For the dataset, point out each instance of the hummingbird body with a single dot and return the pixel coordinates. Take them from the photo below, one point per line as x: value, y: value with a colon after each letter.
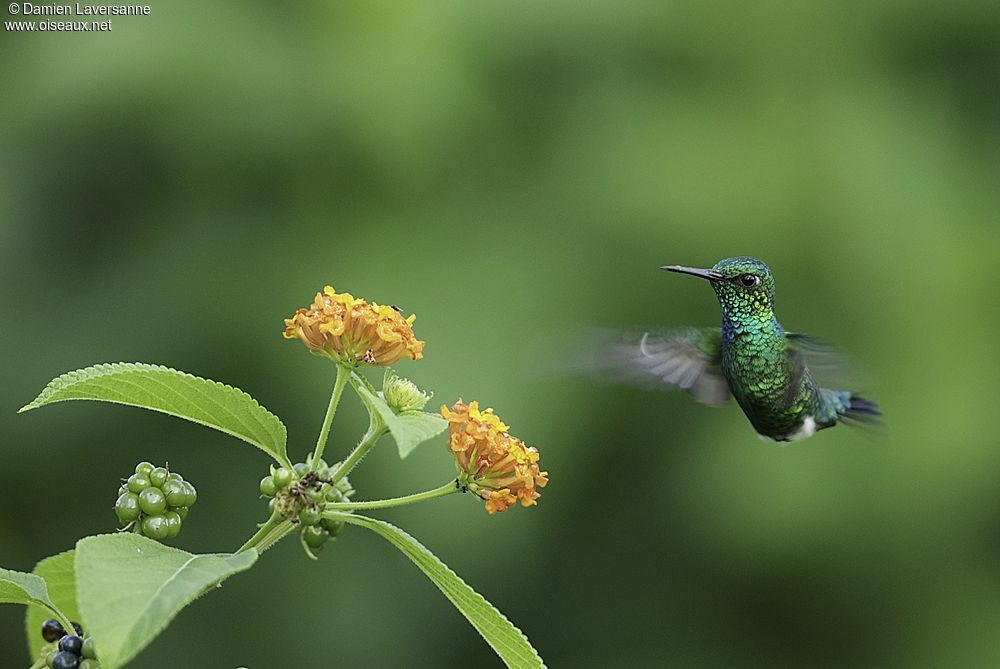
x: 751, y: 357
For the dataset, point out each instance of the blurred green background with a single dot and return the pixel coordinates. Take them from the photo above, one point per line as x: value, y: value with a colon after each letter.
x: 514, y: 172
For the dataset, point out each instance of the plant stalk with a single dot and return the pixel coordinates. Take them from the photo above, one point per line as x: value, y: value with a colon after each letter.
x: 375, y: 432
x: 343, y: 374
x: 447, y: 489
x: 270, y: 533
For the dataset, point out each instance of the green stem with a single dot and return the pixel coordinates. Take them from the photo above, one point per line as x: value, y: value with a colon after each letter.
x: 447, y: 489
x: 270, y: 533
x: 375, y: 432
x: 343, y: 373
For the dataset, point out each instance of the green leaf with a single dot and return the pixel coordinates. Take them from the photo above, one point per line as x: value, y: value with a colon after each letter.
x: 508, y: 641
x: 17, y: 587
x: 166, y: 390
x: 60, y: 576
x: 131, y: 587
x: 409, y: 429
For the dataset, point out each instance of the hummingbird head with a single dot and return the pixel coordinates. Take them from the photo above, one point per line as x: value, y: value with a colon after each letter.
x: 744, y: 286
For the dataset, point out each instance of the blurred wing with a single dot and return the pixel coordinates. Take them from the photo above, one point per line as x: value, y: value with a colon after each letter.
x: 690, y: 359
x: 815, y: 353
x: 827, y: 366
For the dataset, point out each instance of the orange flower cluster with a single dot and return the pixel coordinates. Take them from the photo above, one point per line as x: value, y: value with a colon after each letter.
x: 491, y: 463
x: 352, y: 331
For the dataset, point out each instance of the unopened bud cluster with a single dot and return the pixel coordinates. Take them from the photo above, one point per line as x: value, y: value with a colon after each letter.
x: 403, y: 395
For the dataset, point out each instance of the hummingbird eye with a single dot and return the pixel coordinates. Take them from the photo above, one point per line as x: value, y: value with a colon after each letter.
x: 749, y: 280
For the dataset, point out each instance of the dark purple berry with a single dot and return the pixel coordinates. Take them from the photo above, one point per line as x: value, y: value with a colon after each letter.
x: 78, y: 629
x: 52, y: 630
x: 71, y: 644
x: 65, y: 660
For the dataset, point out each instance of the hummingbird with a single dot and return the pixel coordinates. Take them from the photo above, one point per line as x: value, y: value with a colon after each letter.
x: 750, y: 357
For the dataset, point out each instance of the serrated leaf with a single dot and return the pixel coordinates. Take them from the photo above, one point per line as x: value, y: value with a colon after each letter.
x: 169, y: 391
x: 130, y: 587
x: 60, y: 577
x: 508, y: 641
x: 409, y: 429
x: 18, y: 587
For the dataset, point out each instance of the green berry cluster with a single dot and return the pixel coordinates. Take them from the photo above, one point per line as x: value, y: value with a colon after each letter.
x: 300, y: 493
x: 67, y: 650
x: 154, y: 501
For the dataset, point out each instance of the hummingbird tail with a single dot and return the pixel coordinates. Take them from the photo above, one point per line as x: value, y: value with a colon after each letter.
x: 854, y: 407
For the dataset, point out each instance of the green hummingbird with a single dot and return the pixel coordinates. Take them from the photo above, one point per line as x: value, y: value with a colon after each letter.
x: 750, y: 357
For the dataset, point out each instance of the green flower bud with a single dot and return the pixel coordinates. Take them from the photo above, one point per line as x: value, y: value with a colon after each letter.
x: 402, y: 394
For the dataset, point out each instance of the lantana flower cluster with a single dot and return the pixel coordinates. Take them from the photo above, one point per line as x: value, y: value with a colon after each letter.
x: 492, y: 463
x: 351, y: 331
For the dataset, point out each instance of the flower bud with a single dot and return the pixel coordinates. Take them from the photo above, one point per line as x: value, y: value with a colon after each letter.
x: 403, y: 395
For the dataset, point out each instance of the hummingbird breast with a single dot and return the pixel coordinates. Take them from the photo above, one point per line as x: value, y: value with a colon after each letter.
x: 761, y: 375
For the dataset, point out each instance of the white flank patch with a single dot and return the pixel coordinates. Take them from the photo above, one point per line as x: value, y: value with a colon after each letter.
x: 806, y: 430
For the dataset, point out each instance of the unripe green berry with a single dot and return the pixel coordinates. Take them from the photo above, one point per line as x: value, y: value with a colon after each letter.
x: 173, y: 523
x: 88, y: 648
x: 182, y: 511
x: 158, y: 476
x: 144, y: 468
x: 301, y: 468
x: 309, y: 515
x: 174, y: 476
x: 137, y: 482
x: 334, y: 527
x: 122, y: 489
x: 268, y: 487
x: 192, y: 494
x: 314, y: 536
x: 175, y: 492
x: 152, y: 501
x: 155, y: 527
x: 46, y: 649
x: 282, y: 477
x: 89, y: 664
x: 127, y: 507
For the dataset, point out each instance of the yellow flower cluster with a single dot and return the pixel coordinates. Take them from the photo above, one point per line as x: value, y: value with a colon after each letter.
x: 350, y: 330
x: 491, y: 463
